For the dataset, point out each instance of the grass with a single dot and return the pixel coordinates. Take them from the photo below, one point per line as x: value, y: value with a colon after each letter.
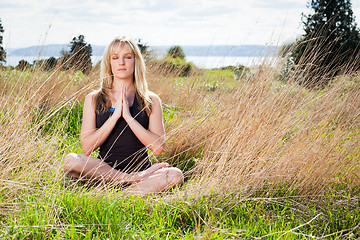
x: 263, y: 159
x: 73, y: 213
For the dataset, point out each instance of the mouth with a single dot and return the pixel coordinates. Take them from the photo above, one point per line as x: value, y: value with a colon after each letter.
x: 122, y: 69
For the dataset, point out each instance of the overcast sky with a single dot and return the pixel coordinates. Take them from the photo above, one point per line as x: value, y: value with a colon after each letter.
x: 156, y: 22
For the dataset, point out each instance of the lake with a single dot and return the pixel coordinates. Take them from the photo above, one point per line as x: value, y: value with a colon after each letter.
x: 206, y: 62
x: 209, y: 62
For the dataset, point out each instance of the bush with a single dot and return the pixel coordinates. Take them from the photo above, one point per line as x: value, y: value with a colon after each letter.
x: 175, y: 66
x: 48, y: 64
x: 176, y: 52
x: 22, y: 65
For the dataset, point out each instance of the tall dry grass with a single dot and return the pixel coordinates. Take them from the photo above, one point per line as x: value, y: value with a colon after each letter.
x: 262, y: 134
x: 266, y: 134
x: 30, y: 158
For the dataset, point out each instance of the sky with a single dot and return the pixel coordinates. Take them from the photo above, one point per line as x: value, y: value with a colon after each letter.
x: 155, y: 22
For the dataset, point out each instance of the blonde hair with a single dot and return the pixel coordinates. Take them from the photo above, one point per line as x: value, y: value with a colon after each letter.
x: 102, y: 98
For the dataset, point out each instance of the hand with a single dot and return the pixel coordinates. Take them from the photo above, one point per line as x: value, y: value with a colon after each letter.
x: 118, y: 108
x: 125, y: 105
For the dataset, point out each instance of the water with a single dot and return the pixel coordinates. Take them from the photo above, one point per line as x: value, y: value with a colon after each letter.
x: 209, y: 62
x: 206, y: 62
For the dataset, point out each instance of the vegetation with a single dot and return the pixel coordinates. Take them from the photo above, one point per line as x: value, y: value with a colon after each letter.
x: 262, y: 159
x: 79, y: 57
x: 144, y: 48
x: 174, y: 63
x: 2, y: 50
x: 48, y: 64
x: 176, y: 52
x: 330, y: 42
x: 23, y: 65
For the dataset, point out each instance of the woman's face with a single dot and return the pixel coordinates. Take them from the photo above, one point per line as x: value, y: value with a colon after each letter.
x: 122, y: 62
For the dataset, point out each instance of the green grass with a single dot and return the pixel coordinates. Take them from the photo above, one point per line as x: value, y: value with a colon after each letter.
x: 69, y: 210
x: 84, y: 213
x: 64, y: 209
x: 217, y: 78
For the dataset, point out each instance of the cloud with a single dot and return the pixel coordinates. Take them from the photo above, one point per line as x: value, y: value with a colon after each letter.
x: 279, y: 4
x: 8, y: 5
x: 158, y: 22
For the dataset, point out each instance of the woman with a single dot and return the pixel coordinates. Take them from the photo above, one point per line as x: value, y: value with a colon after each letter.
x: 123, y: 118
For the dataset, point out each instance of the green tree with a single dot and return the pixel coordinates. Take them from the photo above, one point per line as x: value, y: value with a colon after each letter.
x: 2, y: 51
x: 330, y: 45
x: 80, y: 54
x: 175, y: 52
x: 142, y: 46
x: 23, y: 65
x: 64, y: 60
x: 48, y: 64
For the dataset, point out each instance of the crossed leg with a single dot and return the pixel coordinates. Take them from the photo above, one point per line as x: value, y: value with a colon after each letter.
x: 162, y: 179
x: 157, y: 178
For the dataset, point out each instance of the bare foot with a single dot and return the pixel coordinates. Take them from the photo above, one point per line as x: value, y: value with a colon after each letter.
x: 137, y: 176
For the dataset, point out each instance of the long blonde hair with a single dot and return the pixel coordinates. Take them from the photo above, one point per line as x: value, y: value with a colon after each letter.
x: 102, y: 98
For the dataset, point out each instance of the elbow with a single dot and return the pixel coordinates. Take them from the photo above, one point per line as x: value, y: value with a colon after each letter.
x: 160, y: 147
x: 86, y: 149
x: 159, y: 151
x: 156, y: 149
x: 87, y: 152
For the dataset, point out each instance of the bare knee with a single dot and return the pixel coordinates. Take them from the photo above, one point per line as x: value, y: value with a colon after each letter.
x: 72, y: 162
x: 174, y: 176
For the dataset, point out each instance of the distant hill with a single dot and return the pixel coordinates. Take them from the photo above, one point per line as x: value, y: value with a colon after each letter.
x: 51, y: 50
x: 206, y: 50
x: 223, y: 50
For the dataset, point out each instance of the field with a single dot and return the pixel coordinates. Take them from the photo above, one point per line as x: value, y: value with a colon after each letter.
x: 263, y: 159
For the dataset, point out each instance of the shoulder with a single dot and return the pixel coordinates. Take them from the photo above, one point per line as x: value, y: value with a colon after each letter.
x: 90, y: 99
x: 155, y: 99
x: 91, y: 96
x: 156, y: 105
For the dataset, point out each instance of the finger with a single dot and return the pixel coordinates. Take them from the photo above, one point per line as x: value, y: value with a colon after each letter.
x: 125, y: 102
x: 123, y: 90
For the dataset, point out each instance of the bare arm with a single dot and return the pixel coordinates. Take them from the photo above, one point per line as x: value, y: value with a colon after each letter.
x: 154, y: 137
x: 90, y: 137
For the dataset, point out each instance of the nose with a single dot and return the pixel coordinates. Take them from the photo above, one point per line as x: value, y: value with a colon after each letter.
x: 122, y: 61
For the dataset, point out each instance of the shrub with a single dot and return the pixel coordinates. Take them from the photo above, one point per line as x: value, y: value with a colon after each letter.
x: 176, y: 52
x: 22, y: 65
x: 175, y: 66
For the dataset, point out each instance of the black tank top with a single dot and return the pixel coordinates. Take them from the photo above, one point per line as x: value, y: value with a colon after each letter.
x: 122, y: 149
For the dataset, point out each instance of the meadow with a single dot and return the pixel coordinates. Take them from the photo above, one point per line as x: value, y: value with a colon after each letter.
x: 263, y: 158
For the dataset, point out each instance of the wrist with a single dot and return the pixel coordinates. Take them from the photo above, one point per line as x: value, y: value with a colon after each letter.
x: 115, y: 115
x: 128, y: 118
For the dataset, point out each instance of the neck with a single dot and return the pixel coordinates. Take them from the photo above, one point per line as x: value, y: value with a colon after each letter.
x: 117, y: 85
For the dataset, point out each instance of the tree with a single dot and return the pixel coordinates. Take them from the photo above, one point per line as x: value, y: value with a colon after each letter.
x: 23, y: 65
x: 142, y: 46
x: 175, y: 52
x: 64, y: 60
x: 80, y: 54
x: 330, y: 45
x: 2, y: 51
x: 46, y: 64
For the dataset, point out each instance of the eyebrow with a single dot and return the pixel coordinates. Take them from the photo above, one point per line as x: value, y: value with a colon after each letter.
x: 115, y: 53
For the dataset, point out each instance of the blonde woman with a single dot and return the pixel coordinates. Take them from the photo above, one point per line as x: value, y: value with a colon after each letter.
x: 123, y: 119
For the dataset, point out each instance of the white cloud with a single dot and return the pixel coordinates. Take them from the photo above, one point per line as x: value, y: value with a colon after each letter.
x: 158, y: 22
